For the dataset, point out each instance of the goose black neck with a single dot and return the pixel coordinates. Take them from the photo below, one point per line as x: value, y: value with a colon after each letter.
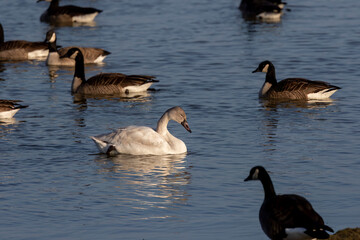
x: 79, y: 66
x: 1, y: 35
x: 54, y: 4
x: 52, y: 46
x: 267, y: 185
x: 270, y: 75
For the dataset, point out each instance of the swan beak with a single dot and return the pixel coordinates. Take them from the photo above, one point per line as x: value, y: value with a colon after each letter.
x: 256, y: 70
x: 186, y: 125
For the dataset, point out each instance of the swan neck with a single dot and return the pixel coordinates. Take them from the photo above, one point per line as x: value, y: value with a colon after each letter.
x: 162, y: 124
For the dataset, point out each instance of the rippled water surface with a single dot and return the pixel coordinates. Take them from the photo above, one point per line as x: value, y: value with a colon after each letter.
x: 55, y: 185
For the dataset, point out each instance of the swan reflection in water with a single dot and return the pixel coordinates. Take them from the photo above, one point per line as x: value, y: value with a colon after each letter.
x: 148, y: 181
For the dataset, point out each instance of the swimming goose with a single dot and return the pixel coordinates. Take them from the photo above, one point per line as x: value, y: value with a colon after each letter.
x: 287, y: 216
x: 105, y: 83
x: 139, y: 140
x: 21, y: 50
x: 91, y: 55
x: 68, y: 13
x: 262, y: 9
x: 292, y: 88
x: 8, y: 108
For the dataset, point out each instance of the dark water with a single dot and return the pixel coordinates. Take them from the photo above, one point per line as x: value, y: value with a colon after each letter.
x: 55, y: 185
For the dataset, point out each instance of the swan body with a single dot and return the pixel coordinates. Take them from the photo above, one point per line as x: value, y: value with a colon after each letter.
x: 141, y: 140
x: 68, y: 13
x: 292, y: 88
x: 105, y: 83
x: 22, y: 50
x: 288, y: 216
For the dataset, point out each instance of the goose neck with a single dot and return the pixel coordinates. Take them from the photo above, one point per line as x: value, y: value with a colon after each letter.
x: 271, y: 76
x: 54, y: 4
x: 79, y: 75
x: 1, y: 35
x: 268, y: 186
x: 52, y: 46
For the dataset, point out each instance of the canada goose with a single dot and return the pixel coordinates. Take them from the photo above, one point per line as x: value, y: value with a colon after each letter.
x: 140, y: 140
x: 21, y: 50
x: 287, y: 216
x: 91, y: 55
x: 262, y: 9
x: 68, y: 13
x: 292, y: 88
x: 8, y: 108
x: 105, y: 83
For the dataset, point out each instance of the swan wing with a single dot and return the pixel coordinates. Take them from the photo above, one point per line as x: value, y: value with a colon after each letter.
x: 135, y: 140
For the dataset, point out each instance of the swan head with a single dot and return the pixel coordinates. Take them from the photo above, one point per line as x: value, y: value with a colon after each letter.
x: 263, y: 67
x: 256, y: 173
x: 178, y: 115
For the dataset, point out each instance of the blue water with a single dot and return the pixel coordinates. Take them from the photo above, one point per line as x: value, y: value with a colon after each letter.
x: 55, y: 185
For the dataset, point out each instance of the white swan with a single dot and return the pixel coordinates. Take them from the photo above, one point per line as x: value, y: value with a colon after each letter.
x: 140, y: 140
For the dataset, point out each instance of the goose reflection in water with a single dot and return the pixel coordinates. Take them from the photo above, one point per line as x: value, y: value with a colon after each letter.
x: 309, y: 104
x: 287, y: 112
x: 151, y: 181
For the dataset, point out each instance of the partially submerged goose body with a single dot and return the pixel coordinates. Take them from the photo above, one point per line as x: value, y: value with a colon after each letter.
x: 268, y: 10
x: 17, y: 50
x: 8, y: 108
x: 292, y: 88
x: 91, y: 55
x: 68, y: 13
x: 105, y: 83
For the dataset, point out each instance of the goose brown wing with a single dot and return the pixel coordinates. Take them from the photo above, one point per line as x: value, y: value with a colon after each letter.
x: 6, y: 105
x: 119, y: 79
x: 28, y: 46
x: 303, y: 85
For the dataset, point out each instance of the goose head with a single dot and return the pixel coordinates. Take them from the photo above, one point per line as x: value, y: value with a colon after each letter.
x: 263, y: 67
x: 178, y: 115
x: 73, y: 53
x: 50, y: 36
x: 256, y: 173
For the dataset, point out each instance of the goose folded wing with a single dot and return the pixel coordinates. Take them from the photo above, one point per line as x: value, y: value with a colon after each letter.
x: 118, y: 79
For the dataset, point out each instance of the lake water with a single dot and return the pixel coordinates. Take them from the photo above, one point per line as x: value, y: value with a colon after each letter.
x: 55, y: 185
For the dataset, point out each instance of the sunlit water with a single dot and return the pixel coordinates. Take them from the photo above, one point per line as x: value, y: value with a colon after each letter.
x: 55, y: 185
